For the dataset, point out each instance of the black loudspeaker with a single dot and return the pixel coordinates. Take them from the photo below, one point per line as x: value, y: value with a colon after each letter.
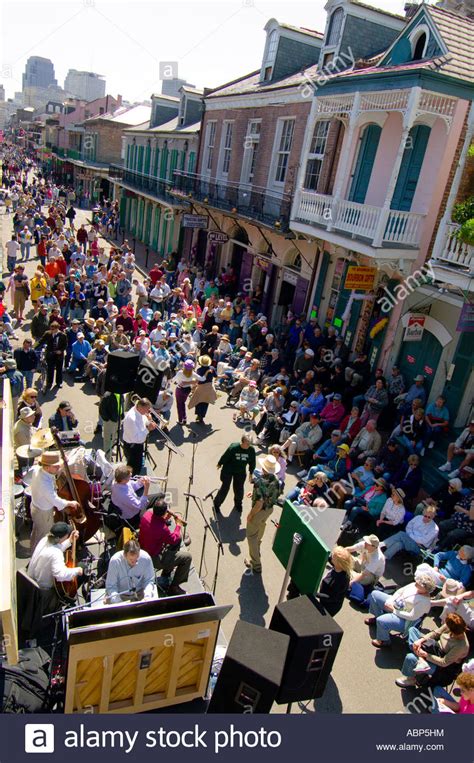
x: 121, y: 371
x: 314, y: 642
x: 148, y: 379
x: 251, y: 672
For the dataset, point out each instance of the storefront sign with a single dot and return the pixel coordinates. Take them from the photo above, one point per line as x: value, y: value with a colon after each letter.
x: 410, y: 359
x: 466, y: 319
x: 218, y: 237
x: 195, y: 221
x: 264, y: 265
x: 361, y: 278
x: 290, y: 277
x: 415, y: 328
x: 428, y: 370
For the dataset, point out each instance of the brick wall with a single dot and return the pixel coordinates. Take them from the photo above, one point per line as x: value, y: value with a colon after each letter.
x: 269, y: 116
x: 447, y: 190
x: 331, y: 157
x: 109, y: 142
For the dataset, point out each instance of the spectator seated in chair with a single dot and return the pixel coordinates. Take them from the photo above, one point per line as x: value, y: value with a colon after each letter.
x: 420, y: 534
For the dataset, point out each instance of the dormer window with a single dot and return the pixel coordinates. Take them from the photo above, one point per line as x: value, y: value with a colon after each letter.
x: 335, y: 26
x: 272, y: 46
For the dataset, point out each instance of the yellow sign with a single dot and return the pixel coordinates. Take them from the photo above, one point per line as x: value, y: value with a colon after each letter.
x: 360, y: 278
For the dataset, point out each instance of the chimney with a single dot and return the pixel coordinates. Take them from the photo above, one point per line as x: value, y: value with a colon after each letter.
x: 119, y: 100
x: 410, y: 9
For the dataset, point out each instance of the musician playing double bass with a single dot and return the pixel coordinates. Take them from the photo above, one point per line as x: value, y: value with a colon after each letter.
x: 161, y: 536
x: 48, y: 565
x: 44, y: 496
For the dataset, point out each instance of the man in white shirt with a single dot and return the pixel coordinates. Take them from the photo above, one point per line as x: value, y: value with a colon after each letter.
x: 130, y: 575
x: 420, y: 533
x: 370, y: 565
x: 13, y: 247
x: 44, y: 497
x: 47, y: 565
x: 136, y: 425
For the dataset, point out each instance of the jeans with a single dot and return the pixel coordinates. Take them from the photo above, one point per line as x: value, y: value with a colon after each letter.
x: 28, y: 377
x: 411, y: 660
x: 440, y: 693
x: 407, y: 443
x: 401, y: 541
x: 386, y: 621
x: 293, y: 494
x: 25, y: 251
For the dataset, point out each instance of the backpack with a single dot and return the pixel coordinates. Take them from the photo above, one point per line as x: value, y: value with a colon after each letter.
x: 24, y: 687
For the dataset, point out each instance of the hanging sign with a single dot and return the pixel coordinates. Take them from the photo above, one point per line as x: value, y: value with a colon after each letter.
x: 410, y: 359
x: 415, y: 328
x: 218, y: 237
x: 428, y: 370
x: 195, y: 221
x: 361, y: 278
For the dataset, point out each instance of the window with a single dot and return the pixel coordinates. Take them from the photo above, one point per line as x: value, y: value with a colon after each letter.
x: 210, y: 142
x: 272, y: 47
x: 328, y: 57
x: 226, y: 147
x: 419, y: 47
x: 251, y: 143
x: 284, y: 147
x: 316, y: 156
x: 335, y: 26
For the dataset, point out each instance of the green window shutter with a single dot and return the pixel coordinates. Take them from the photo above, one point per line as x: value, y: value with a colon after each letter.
x: 365, y: 163
x: 140, y: 159
x: 321, y: 281
x: 164, y: 163
x: 127, y: 161
x: 156, y: 228
x: 183, y: 161
x: 147, y: 160
x: 156, y: 162
x: 410, y: 168
x: 173, y: 164
x: 192, y: 161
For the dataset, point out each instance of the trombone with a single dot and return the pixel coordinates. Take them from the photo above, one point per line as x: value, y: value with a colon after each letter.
x: 158, y: 420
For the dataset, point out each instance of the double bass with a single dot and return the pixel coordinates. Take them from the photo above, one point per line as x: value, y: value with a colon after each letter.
x: 73, y: 487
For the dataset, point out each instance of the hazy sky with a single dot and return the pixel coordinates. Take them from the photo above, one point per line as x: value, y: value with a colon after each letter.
x: 212, y: 42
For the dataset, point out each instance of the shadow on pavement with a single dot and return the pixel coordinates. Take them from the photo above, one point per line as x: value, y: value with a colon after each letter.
x: 253, y: 598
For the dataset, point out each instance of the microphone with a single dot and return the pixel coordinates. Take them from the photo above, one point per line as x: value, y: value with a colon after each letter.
x: 209, y: 495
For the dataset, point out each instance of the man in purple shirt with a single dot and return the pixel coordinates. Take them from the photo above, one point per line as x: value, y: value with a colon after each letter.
x: 332, y: 414
x: 125, y: 496
x: 161, y: 537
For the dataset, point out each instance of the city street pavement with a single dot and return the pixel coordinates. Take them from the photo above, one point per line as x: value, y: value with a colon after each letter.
x: 362, y: 680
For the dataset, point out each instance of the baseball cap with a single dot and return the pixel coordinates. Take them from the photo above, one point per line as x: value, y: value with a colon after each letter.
x: 60, y: 529
x: 372, y: 540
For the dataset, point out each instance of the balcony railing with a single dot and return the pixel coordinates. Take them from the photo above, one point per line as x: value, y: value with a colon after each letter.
x: 456, y: 253
x: 401, y: 229
x: 268, y: 207
x: 141, y: 182
x: 67, y: 153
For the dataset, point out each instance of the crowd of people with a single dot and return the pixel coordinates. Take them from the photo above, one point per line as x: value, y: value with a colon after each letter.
x: 360, y: 436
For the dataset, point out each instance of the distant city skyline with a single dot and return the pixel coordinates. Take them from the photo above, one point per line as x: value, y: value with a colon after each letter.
x: 212, y: 42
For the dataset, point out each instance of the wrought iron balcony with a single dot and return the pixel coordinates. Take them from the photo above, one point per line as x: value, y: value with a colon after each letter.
x: 154, y: 186
x: 453, y: 260
x: 269, y: 208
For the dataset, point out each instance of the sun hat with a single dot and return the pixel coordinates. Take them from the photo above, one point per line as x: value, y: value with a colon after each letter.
x: 419, y: 377
x: 372, y: 540
x: 51, y: 458
x: 26, y: 411
x: 455, y: 483
x: 269, y: 464
x: 381, y: 482
x: 400, y: 492
x: 205, y: 360
x: 10, y: 364
x: 344, y: 447
x: 252, y: 383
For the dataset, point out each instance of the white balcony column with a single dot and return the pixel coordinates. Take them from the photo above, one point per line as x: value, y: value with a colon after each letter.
x: 343, y: 166
x: 310, y: 124
x: 443, y: 231
x: 408, y: 120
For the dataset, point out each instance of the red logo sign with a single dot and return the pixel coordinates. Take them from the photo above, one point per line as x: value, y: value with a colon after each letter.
x: 410, y: 358
x: 428, y: 370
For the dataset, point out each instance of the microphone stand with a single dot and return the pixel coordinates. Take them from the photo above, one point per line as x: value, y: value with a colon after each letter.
x: 190, y: 480
x: 208, y: 528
